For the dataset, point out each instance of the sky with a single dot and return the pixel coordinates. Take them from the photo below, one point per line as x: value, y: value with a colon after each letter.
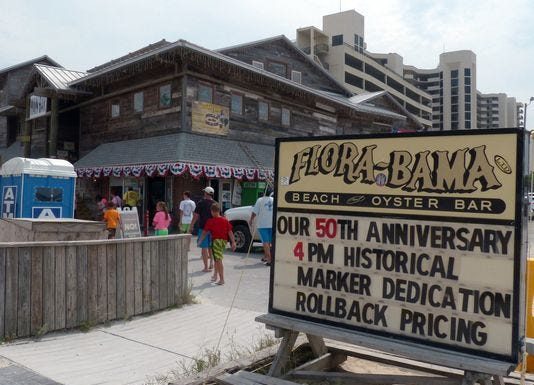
x: 82, y: 34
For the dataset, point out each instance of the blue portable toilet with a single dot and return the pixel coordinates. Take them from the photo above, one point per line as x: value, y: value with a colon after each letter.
x: 37, y: 188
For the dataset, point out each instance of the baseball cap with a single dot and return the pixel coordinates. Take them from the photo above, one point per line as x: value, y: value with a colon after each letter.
x: 209, y: 190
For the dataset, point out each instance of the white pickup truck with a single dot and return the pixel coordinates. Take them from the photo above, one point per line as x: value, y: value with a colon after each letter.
x: 239, y: 217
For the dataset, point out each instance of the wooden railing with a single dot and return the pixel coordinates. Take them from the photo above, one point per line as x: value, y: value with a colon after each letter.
x: 47, y: 286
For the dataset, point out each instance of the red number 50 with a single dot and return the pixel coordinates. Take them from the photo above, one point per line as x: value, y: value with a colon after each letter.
x: 326, y: 227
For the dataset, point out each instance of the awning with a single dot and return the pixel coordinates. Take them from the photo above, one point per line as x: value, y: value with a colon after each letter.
x: 176, y: 154
x: 6, y: 110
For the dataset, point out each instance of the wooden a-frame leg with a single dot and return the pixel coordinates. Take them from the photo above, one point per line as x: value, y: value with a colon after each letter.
x: 317, y: 345
x: 282, y: 356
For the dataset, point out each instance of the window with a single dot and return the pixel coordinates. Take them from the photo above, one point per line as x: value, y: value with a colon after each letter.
x: 277, y: 68
x: 353, y: 62
x: 205, y: 93
x: 296, y: 76
x: 115, y: 110
x: 454, y: 108
x: 165, y: 96
x: 454, y: 74
x: 454, y: 82
x: 138, y: 102
x: 467, y: 81
x: 337, y: 40
x: 257, y: 64
x: 467, y: 89
x: 467, y: 115
x: 353, y: 80
x: 454, y: 125
x: 286, y: 117
x: 454, y: 99
x: 467, y: 98
x: 263, y: 110
x: 454, y: 91
x: 237, y: 104
x: 467, y: 71
x: 48, y: 194
x: 454, y: 117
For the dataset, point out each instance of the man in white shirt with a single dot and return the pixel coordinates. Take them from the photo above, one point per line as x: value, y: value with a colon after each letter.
x: 187, y: 207
x: 263, y: 209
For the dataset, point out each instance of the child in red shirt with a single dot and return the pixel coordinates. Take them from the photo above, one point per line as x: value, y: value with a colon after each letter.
x: 220, y: 230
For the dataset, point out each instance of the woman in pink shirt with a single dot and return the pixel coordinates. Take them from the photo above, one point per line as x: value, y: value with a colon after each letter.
x: 162, y: 219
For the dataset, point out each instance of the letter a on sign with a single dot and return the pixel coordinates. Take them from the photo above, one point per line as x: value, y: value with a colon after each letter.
x: 46, y: 214
x: 8, y: 201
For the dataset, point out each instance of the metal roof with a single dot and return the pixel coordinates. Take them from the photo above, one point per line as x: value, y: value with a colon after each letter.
x: 185, y: 45
x: 58, y: 78
x: 179, y: 147
x: 367, y: 96
x: 28, y: 62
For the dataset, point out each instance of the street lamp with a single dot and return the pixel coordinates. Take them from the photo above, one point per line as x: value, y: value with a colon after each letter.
x: 525, y: 118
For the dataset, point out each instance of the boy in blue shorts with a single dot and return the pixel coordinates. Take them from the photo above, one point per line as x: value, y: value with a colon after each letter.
x: 263, y: 209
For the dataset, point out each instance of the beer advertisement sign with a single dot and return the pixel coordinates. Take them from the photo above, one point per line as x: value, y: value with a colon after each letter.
x: 416, y: 237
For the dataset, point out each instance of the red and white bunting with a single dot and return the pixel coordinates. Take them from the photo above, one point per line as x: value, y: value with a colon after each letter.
x: 150, y: 169
x: 225, y: 172
x: 137, y: 171
x: 196, y: 170
x: 162, y: 169
x: 178, y: 168
x: 210, y: 171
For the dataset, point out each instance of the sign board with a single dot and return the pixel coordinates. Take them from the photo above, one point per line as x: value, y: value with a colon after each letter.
x: 210, y: 118
x: 129, y: 223
x: 38, y: 105
x: 46, y: 212
x: 416, y: 237
x: 9, y: 201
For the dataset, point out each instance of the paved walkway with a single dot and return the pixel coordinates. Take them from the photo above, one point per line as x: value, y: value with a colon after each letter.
x: 136, y: 351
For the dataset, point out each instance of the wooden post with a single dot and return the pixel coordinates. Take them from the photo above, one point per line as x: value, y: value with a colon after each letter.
x: 183, y: 111
x: 282, y: 356
x: 52, y: 139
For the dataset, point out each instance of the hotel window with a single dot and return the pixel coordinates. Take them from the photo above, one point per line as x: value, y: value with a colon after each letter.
x: 467, y: 115
x: 454, y: 74
x: 138, y: 102
x: 165, y: 96
x: 454, y: 99
x: 337, y: 40
x: 454, y: 82
x: 467, y: 71
x: 467, y: 81
x: 263, y: 110
x: 286, y: 117
x: 468, y: 124
x: 205, y: 93
x: 467, y: 89
x: 296, y: 76
x: 454, y: 125
x: 115, y: 110
x: 237, y: 104
x: 257, y: 64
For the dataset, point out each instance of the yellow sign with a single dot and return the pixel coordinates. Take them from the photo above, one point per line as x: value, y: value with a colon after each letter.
x: 412, y: 237
x: 210, y: 118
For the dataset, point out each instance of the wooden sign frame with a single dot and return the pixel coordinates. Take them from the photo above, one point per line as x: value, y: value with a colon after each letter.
x: 403, y: 344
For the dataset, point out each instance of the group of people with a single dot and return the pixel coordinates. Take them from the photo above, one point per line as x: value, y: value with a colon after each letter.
x: 214, y: 230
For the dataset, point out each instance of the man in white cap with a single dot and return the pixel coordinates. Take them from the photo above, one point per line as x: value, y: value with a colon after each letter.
x: 202, y: 214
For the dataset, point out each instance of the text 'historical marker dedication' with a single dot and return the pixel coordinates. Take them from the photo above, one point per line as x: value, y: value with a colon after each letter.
x: 410, y: 237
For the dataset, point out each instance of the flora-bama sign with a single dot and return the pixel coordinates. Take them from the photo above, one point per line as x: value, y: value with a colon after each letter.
x: 416, y: 237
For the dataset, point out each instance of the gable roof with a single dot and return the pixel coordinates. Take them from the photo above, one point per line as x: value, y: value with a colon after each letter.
x: 184, y: 48
x: 130, y: 55
x: 58, y: 78
x: 294, y: 48
x: 29, y: 62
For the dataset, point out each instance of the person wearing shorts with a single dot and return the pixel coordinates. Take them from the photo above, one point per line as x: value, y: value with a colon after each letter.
x: 221, y: 231
x: 112, y: 219
x: 263, y: 210
x: 187, y: 207
x: 202, y: 214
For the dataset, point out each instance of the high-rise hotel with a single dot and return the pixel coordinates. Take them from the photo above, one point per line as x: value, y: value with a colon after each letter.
x: 442, y: 98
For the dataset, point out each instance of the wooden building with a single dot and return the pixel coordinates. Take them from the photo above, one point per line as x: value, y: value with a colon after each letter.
x: 175, y: 116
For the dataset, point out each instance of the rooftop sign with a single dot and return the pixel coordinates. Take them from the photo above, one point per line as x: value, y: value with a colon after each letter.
x: 414, y: 237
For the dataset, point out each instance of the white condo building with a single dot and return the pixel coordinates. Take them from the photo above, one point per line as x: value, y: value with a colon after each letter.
x: 442, y: 98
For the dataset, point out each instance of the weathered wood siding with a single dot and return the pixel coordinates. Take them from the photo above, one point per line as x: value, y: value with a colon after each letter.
x: 47, y: 286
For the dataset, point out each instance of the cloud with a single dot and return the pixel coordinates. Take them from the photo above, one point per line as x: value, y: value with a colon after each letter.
x: 82, y: 34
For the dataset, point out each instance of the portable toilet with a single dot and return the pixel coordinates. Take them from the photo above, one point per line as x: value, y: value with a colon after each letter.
x: 37, y: 188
